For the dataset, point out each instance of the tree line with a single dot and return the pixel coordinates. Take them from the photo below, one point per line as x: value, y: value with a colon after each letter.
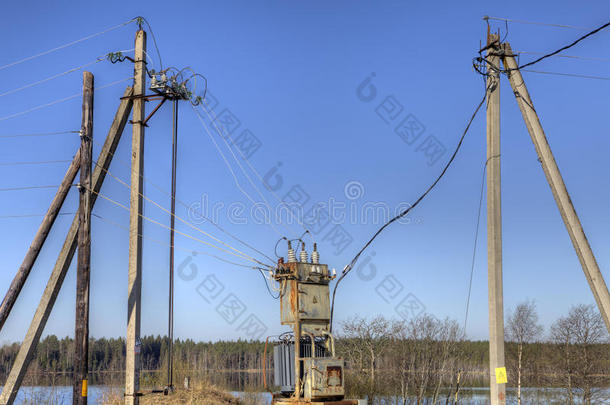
x: 422, y: 360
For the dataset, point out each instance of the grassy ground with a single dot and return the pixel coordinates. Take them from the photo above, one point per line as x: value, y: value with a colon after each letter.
x: 201, y: 393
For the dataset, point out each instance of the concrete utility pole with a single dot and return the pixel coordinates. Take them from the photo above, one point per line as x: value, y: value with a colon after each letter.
x: 134, y: 290
x: 558, y: 187
x: 39, y: 239
x: 28, y: 346
x: 81, y: 328
x: 494, y: 228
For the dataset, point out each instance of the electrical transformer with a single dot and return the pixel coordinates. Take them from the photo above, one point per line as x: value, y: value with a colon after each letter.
x: 306, y: 367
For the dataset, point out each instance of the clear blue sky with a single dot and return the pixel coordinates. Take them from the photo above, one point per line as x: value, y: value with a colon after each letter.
x: 289, y: 72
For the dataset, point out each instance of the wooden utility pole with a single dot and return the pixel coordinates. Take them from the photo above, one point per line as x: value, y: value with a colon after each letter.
x: 39, y: 239
x: 134, y: 290
x: 28, y: 346
x: 558, y: 187
x: 81, y: 328
x: 494, y: 228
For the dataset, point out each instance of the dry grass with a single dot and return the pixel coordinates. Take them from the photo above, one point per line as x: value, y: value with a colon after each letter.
x: 203, y: 393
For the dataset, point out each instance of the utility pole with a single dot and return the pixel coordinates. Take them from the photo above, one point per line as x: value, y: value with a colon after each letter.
x: 41, y: 236
x: 170, y: 346
x: 494, y: 228
x: 30, y: 341
x: 81, y: 329
x: 558, y: 187
x: 134, y: 290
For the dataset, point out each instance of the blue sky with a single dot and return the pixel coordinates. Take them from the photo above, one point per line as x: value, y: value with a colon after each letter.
x: 290, y: 73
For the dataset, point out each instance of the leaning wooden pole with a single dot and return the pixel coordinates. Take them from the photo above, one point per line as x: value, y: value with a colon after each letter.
x: 494, y: 231
x: 83, y: 269
x: 28, y: 346
x: 39, y: 240
x: 134, y: 278
x: 560, y: 192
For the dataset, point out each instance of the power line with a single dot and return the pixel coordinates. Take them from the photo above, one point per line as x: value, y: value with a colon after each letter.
x: 567, y: 56
x: 32, y: 215
x: 474, y: 248
x: 177, y: 217
x: 350, y: 266
x: 185, y: 205
x: 66, y: 45
x: 548, y: 55
x: 139, y: 19
x: 42, y: 162
x: 273, y: 193
x: 118, y: 204
x: 61, y: 100
x: 39, y: 134
x: 534, y: 23
x: 237, y: 183
x: 56, y: 76
x: 567, y: 74
x: 27, y: 188
x: 126, y: 228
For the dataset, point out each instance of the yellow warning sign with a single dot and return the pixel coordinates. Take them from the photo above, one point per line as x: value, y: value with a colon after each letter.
x: 84, y: 389
x: 501, y: 375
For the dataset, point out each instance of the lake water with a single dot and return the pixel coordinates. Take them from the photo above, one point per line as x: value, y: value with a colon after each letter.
x: 469, y: 396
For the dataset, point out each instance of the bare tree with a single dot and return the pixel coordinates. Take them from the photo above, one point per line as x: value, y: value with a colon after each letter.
x: 580, y: 334
x: 522, y: 327
x: 365, y: 341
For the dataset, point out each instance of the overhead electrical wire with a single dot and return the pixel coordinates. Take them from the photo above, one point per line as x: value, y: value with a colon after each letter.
x: 567, y: 74
x: 56, y: 76
x: 28, y: 188
x: 139, y: 20
x: 351, y: 264
x: 534, y: 23
x: 474, y: 248
x: 237, y: 183
x: 245, y: 173
x: 543, y: 57
x: 61, y: 100
x: 42, y: 162
x: 32, y: 215
x: 185, y: 205
x: 118, y: 204
x: 257, y: 174
x: 567, y: 56
x: 17, y: 62
x: 178, y: 217
x: 39, y: 134
x: 126, y: 228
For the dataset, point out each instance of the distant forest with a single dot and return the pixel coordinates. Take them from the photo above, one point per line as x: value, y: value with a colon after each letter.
x: 420, y: 358
x: 54, y: 357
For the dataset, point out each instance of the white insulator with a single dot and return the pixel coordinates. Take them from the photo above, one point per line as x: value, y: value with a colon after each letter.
x: 292, y: 257
x: 315, y: 255
x: 303, y: 255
